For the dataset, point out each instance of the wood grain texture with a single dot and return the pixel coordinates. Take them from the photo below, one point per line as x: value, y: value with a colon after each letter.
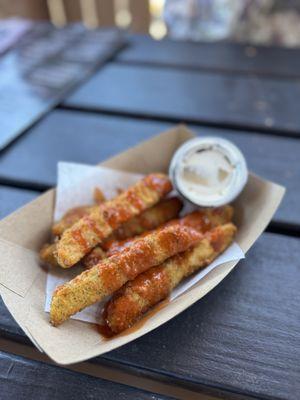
x: 202, y: 97
x: 88, y: 138
x: 21, y: 378
x: 219, y: 56
x: 243, y: 337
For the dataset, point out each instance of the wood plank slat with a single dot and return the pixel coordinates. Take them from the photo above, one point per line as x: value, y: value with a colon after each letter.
x: 218, y: 56
x: 195, y: 97
x: 21, y: 378
x: 89, y: 138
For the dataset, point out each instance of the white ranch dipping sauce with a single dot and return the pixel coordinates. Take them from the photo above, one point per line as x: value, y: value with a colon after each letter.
x: 209, y: 171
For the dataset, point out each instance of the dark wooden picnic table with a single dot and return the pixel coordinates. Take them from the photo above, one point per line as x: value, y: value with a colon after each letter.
x: 242, y: 340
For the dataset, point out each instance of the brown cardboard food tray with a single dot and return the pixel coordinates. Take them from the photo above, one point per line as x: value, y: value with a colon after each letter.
x: 23, y: 280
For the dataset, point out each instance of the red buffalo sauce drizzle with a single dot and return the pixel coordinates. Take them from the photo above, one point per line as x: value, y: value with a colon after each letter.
x: 197, y: 220
x: 107, y: 333
x: 134, y: 199
x: 136, y: 259
x: 158, y: 182
x: 77, y: 236
x: 92, y: 225
x: 116, y: 215
x: 119, y: 213
x: 111, y: 274
x: 153, y: 285
x: 165, y: 237
x: 179, y: 239
x: 216, y: 237
x: 104, y: 329
x: 115, y: 246
x: 126, y: 265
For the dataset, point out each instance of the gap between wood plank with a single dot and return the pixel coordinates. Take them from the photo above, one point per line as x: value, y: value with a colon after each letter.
x: 283, y: 228
x: 210, y: 70
x: 201, y: 123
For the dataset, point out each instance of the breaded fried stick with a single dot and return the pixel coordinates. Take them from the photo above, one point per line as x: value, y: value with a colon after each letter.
x: 148, y: 220
x: 207, y: 218
x: 70, y: 218
x: 201, y: 220
x: 136, y: 297
x: 47, y: 254
x: 112, y: 273
x: 92, y: 229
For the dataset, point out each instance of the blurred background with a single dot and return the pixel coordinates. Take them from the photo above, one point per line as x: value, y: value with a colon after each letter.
x: 252, y: 21
x: 48, y: 47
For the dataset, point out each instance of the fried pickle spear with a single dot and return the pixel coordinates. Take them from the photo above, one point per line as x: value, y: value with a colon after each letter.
x: 136, y: 297
x: 111, y: 274
x: 150, y: 219
x: 92, y: 229
x: 47, y: 254
x: 201, y: 220
x: 70, y: 217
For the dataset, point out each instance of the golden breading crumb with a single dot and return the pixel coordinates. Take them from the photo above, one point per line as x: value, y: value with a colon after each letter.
x: 108, y: 276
